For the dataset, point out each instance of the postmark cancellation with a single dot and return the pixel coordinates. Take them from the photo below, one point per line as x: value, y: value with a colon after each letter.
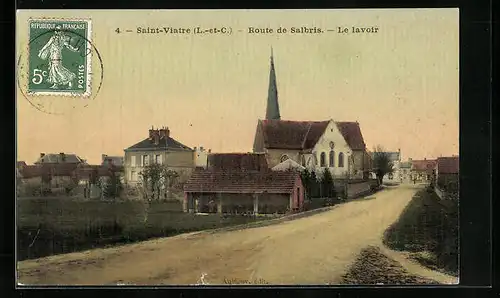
x: 59, y: 57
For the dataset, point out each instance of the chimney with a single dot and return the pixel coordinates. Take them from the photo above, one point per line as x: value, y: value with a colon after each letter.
x: 63, y: 156
x: 167, y: 132
x: 209, y: 150
x: 194, y: 148
x: 104, y: 157
x: 425, y: 158
x: 151, y: 133
x: 163, y: 132
x: 42, y: 155
x: 201, y: 148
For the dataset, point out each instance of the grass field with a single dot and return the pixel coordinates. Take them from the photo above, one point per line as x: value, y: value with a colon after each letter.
x: 47, y: 226
x: 373, y: 267
x: 428, y: 228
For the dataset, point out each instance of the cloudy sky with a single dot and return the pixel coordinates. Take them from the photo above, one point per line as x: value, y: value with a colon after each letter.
x: 401, y: 84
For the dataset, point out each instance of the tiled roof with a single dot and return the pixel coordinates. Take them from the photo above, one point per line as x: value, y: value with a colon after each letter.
x: 423, y: 165
x: 296, y: 135
x: 352, y: 135
x: 241, y: 182
x: 166, y: 143
x: 59, y: 158
x: 448, y: 165
x: 285, y: 134
x: 237, y: 161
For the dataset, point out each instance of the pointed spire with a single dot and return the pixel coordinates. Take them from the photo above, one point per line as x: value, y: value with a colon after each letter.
x: 273, y: 109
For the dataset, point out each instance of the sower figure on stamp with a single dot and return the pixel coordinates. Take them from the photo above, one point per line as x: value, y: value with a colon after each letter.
x: 58, y: 74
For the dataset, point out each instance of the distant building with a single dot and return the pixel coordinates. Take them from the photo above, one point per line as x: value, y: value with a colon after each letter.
x: 423, y: 170
x: 112, y: 160
x: 159, y: 147
x: 447, y: 173
x: 405, y: 170
x: 53, y: 158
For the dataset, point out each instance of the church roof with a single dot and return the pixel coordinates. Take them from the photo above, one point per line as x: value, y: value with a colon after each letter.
x: 352, y: 135
x: 297, y: 135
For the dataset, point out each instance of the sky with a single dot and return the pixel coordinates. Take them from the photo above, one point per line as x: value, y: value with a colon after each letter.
x: 401, y: 84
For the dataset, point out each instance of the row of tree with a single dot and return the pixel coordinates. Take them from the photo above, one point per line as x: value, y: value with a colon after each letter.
x: 318, y: 186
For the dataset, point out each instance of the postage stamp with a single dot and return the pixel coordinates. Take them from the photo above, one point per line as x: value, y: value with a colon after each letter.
x: 59, y: 57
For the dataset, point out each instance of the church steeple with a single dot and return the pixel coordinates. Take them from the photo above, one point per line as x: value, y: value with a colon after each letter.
x: 273, y: 108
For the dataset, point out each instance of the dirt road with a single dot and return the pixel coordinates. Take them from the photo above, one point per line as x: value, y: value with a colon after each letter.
x: 311, y: 250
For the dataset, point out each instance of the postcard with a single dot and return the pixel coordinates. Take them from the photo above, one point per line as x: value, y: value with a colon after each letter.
x: 237, y: 147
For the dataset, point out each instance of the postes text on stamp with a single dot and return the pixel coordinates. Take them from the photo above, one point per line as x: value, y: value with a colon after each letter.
x: 59, y: 57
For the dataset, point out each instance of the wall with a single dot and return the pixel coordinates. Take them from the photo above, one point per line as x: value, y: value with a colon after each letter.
x: 332, y: 134
x: 179, y: 161
x: 356, y: 189
x: 297, y: 196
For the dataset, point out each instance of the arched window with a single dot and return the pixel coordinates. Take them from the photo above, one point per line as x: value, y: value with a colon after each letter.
x: 332, y: 159
x: 341, y: 160
x: 322, y: 159
x: 283, y: 158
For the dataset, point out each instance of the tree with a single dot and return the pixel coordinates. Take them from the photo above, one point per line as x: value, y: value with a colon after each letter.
x: 382, y: 164
x: 314, y: 185
x: 327, y: 184
x: 306, y: 181
x: 113, y: 187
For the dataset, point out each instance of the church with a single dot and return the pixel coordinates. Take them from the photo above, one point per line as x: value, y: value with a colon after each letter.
x: 316, y: 145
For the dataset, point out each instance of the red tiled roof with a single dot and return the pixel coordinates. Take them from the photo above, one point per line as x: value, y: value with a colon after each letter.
x: 285, y: 134
x: 448, y: 165
x: 352, y: 135
x: 241, y: 182
x: 237, y: 161
x: 423, y: 165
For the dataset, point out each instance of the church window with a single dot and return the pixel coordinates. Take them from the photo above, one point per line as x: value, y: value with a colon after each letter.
x: 332, y: 159
x: 283, y: 158
x: 341, y: 160
x: 322, y: 160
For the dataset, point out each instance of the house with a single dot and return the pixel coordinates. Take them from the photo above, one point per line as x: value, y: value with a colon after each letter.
x: 405, y: 170
x: 159, y: 147
x: 316, y: 145
x: 423, y: 170
x: 242, y: 183
x: 447, y: 170
x: 66, y: 158
x: 112, y: 160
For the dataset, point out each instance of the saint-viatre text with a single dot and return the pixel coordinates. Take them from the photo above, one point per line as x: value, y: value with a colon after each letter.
x: 183, y: 30
x: 253, y: 30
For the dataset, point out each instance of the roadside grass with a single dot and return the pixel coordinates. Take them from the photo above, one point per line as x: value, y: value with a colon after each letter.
x: 428, y: 228
x: 62, y: 225
x: 372, y: 267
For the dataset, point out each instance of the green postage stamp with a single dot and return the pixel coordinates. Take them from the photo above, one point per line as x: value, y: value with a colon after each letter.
x: 59, y: 57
